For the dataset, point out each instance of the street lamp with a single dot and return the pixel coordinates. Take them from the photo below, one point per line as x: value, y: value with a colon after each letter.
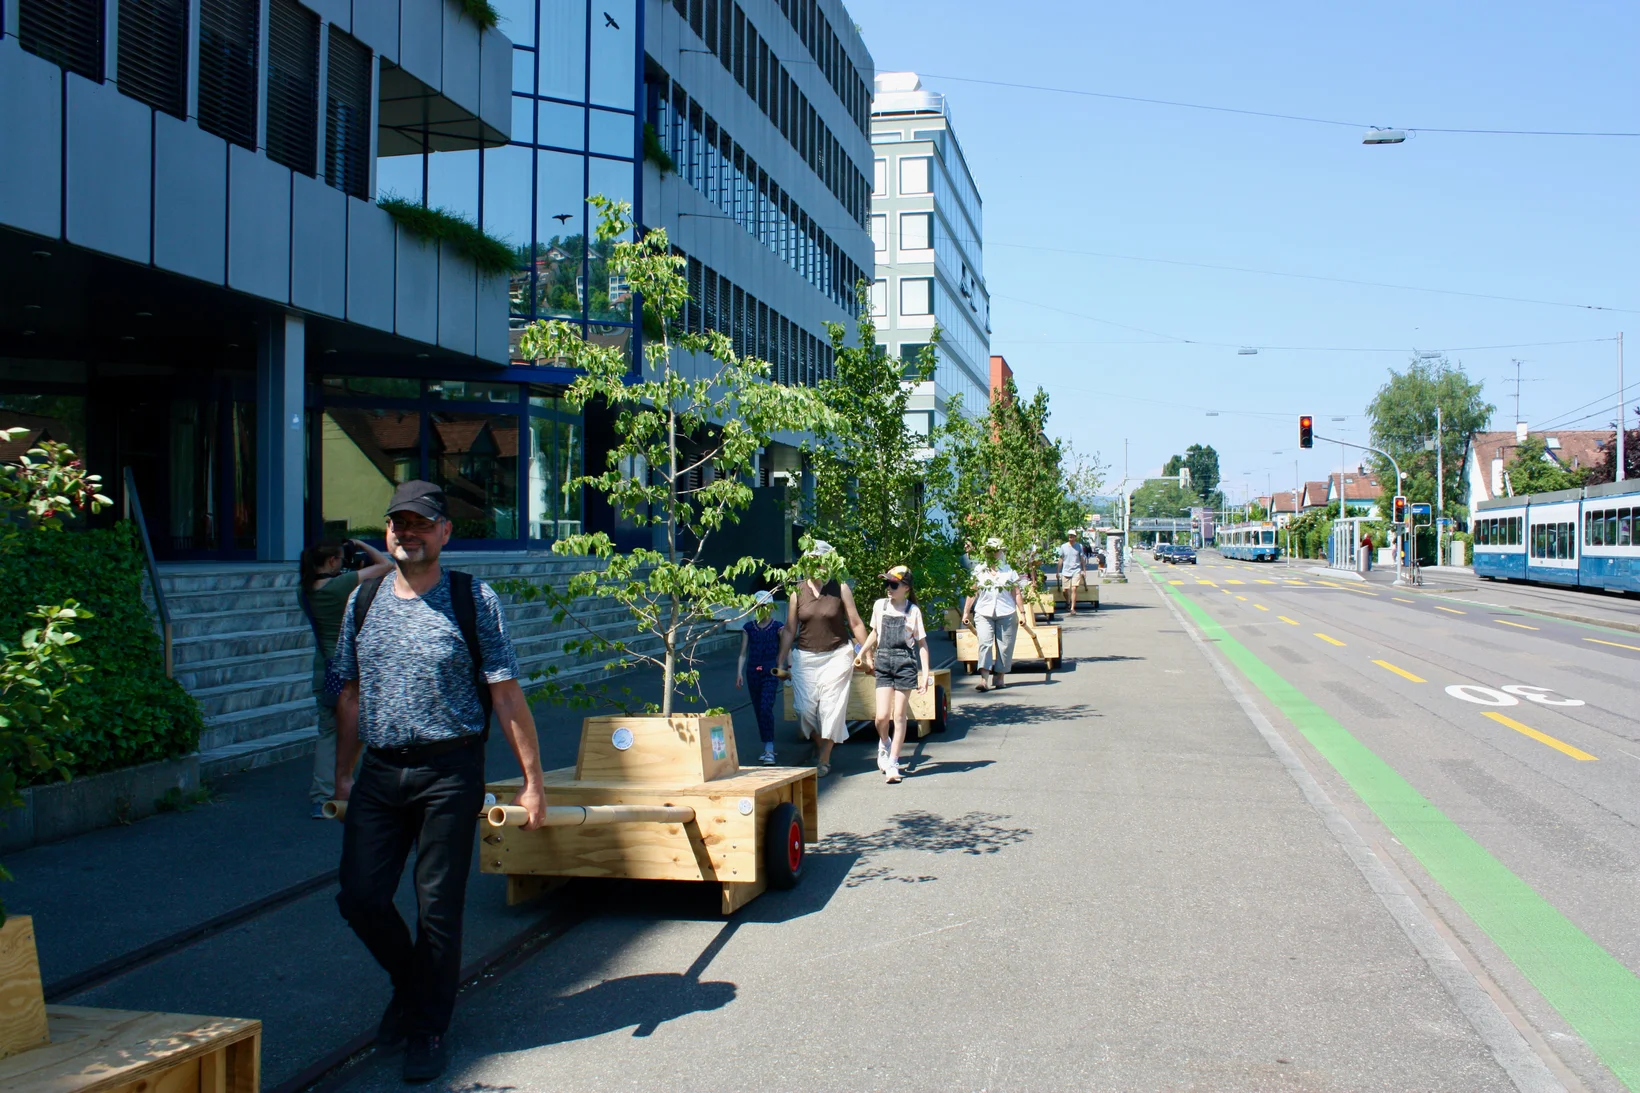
x: 1376, y: 135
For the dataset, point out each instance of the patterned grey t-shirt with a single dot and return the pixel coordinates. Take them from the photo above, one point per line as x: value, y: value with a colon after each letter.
x: 415, y: 674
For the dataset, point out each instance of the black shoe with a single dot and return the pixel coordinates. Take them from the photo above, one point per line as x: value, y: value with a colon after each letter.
x: 391, y: 1032
x: 425, y: 1058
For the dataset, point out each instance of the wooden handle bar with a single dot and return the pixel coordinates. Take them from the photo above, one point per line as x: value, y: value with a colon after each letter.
x: 564, y: 815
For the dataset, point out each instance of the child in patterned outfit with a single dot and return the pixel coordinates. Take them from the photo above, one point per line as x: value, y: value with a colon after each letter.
x: 759, y: 654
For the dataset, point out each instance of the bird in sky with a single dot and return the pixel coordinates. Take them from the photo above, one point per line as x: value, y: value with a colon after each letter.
x: 609, y: 20
x: 562, y: 218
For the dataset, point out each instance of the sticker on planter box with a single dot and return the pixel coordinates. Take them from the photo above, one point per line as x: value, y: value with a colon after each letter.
x: 621, y: 738
x: 489, y: 800
x: 746, y: 806
x: 720, y: 749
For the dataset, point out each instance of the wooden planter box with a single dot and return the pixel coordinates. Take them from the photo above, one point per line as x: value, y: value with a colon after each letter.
x: 75, y: 1049
x: 679, y: 761
x: 1031, y: 643
x: 927, y: 711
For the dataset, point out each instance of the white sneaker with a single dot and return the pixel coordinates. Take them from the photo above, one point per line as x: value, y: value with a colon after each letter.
x: 767, y: 758
x: 891, y: 773
x: 882, y: 755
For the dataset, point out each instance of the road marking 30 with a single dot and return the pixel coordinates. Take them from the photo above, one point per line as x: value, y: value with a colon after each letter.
x: 1327, y: 639
x: 1516, y: 625
x: 1509, y: 694
x: 1402, y: 672
x: 1542, y: 737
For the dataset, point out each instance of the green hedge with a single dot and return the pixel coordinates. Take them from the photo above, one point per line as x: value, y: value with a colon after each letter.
x: 128, y: 712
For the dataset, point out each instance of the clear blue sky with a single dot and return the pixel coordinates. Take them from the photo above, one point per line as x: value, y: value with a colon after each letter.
x: 1544, y: 218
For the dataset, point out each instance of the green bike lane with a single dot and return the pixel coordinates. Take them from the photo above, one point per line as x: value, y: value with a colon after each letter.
x: 1513, y: 811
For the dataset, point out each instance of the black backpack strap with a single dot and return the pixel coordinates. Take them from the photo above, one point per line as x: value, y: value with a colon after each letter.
x: 362, y: 599
x: 464, y: 601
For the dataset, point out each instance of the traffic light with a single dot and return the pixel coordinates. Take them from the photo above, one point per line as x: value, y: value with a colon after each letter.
x: 1400, y: 509
x: 1306, y: 431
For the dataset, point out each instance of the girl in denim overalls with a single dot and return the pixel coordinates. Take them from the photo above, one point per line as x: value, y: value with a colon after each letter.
x: 759, y: 655
x: 900, y: 642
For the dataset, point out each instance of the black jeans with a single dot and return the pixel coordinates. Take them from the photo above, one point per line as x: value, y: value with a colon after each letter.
x: 433, y: 804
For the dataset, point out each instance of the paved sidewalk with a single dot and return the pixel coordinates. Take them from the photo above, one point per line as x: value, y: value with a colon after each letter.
x: 297, y: 967
x: 1103, y: 880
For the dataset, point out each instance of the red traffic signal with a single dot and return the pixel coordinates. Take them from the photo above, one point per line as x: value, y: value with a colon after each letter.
x: 1400, y: 509
x: 1306, y: 431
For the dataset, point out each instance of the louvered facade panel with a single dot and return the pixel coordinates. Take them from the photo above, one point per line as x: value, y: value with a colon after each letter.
x: 153, y: 53
x: 347, y: 116
x: 228, y: 33
x: 293, y: 86
x: 68, y: 33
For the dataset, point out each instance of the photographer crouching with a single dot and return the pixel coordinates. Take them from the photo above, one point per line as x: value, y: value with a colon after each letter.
x: 330, y: 573
x: 426, y: 657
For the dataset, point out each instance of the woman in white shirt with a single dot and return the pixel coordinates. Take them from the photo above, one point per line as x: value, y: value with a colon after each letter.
x: 994, y: 610
x: 900, y: 641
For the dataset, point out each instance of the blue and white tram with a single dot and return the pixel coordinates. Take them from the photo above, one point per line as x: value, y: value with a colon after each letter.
x: 1584, y: 538
x: 1248, y: 542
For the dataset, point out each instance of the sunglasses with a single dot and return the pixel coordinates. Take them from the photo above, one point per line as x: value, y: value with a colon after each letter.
x: 891, y: 585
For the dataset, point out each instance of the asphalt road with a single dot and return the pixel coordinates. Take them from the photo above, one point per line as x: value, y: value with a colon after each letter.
x: 1491, y: 751
x: 1104, y: 879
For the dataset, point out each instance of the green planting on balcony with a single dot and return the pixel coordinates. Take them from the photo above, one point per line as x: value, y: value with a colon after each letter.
x: 490, y: 255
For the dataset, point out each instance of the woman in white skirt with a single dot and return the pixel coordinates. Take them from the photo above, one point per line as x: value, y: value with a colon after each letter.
x: 994, y: 610
x: 824, y: 626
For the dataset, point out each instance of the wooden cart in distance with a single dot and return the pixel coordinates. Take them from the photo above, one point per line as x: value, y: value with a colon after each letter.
x: 1032, y: 642
x: 747, y: 832
x: 928, y: 710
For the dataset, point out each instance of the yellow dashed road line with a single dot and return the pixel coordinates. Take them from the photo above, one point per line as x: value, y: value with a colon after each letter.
x: 1261, y: 607
x: 1398, y: 599
x: 1618, y: 644
x: 1541, y: 737
x: 1329, y: 640
x: 1289, y: 622
x: 1242, y: 598
x: 1402, y: 672
x: 1516, y: 625
x: 1450, y: 610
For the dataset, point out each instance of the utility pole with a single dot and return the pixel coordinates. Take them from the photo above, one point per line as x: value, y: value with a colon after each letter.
x: 1440, y: 486
x: 1517, y: 365
x: 1621, y: 408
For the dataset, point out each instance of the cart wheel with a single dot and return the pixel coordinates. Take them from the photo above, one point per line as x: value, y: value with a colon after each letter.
x: 941, y: 703
x: 783, y: 846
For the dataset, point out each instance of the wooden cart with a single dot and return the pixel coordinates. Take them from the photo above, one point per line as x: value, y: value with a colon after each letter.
x: 742, y: 828
x: 75, y: 1049
x: 1088, y: 593
x: 928, y: 710
x: 1032, y: 642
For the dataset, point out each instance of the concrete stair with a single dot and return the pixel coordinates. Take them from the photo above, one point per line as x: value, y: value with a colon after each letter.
x: 244, y: 650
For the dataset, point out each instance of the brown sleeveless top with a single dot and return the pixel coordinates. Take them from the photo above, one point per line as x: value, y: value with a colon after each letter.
x: 822, y: 621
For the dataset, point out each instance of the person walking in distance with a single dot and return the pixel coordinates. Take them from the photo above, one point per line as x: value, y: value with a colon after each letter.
x: 759, y: 656
x: 1072, y: 560
x: 1366, y: 552
x: 821, y: 621
x: 426, y: 657
x: 897, y: 649
x: 993, y: 610
x: 325, y: 586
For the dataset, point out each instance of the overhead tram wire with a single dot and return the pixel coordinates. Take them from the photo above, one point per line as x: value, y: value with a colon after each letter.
x: 1564, y: 420
x: 1269, y: 114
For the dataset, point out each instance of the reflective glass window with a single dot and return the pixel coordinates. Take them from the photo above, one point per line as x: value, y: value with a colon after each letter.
x: 879, y: 178
x: 614, y: 53
x: 452, y: 182
x: 472, y: 391
x: 371, y: 386
x: 523, y: 120
x: 879, y: 232
x: 562, y: 50
x: 613, y: 134
x: 1609, y: 532
x: 561, y: 125
x: 365, y: 454
x: 914, y: 175
x: 517, y: 20
x: 916, y: 231
x: 507, y: 214
x: 523, y: 73
x: 399, y: 176
x: 560, y: 233
x: 1625, y: 524
x: 611, y: 297
x: 916, y: 296
x: 879, y: 299
x: 474, y: 457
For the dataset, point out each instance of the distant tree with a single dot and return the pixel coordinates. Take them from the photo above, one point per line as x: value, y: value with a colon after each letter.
x: 1163, y: 498
x: 1203, y: 462
x: 1084, y: 478
x: 1403, y: 422
x: 1607, y: 470
x: 1533, y: 471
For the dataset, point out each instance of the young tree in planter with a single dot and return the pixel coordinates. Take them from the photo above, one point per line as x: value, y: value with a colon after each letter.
x: 874, y: 477
x: 39, y: 490
x: 683, y: 455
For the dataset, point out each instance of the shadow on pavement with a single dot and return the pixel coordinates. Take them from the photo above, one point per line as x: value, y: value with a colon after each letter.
x: 935, y: 766
x: 920, y: 832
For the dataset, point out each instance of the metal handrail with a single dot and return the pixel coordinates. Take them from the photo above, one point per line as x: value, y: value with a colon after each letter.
x: 133, y: 504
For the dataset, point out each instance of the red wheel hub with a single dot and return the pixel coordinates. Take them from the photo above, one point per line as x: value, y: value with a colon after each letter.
x: 794, y: 846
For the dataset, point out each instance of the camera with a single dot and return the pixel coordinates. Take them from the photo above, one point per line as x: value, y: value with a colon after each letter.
x: 353, y: 556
